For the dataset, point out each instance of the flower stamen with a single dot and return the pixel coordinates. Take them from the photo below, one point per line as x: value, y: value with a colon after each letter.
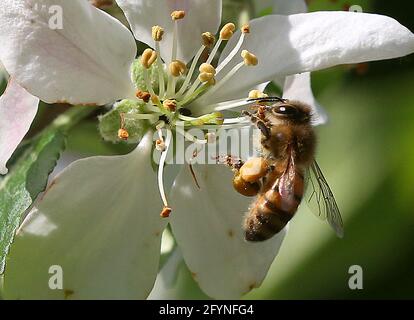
x: 257, y: 94
x: 147, y: 59
x: 167, y: 210
x: 227, y: 105
x: 207, y: 72
x: 244, y: 30
x: 249, y: 58
x: 170, y: 105
x: 177, y: 68
x: 165, y: 213
x: 175, y: 15
x: 122, y: 132
x: 208, y: 39
x: 178, y: 15
x: 191, y: 72
x: 225, y: 79
x: 227, y: 31
x: 225, y: 34
x: 157, y: 35
x: 143, y: 95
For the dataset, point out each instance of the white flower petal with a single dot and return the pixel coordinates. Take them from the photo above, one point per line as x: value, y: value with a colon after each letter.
x: 86, y: 62
x: 18, y: 108
x: 207, y: 225
x: 201, y: 16
x: 287, y: 45
x: 100, y: 222
x: 298, y: 87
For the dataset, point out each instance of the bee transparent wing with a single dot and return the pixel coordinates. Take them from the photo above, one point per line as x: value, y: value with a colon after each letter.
x: 321, y: 200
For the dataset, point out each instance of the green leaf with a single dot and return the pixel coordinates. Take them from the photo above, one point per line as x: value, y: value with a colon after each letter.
x: 28, y: 175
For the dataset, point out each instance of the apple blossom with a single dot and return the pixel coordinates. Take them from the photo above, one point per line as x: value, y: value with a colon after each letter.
x: 99, y: 219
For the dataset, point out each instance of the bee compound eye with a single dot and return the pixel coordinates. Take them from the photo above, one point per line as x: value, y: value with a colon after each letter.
x: 286, y: 110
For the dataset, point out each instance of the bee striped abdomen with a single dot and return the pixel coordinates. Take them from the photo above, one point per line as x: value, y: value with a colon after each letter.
x: 274, y: 209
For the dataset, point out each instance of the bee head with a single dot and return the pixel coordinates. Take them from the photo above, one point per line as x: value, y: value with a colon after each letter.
x: 290, y: 111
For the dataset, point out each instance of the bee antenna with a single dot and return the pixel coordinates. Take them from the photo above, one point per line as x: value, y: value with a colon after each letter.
x: 268, y: 99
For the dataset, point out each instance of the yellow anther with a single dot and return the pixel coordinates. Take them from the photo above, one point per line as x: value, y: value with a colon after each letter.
x: 157, y: 33
x: 208, y: 39
x: 227, y: 31
x: 143, y: 95
x: 207, y: 73
x: 208, y: 68
x: 148, y: 58
x: 206, y: 77
x: 245, y: 28
x: 170, y: 105
x: 249, y: 58
x: 155, y: 99
x: 257, y: 94
x: 212, y: 82
x: 177, y: 15
x: 177, y: 68
x: 123, y: 134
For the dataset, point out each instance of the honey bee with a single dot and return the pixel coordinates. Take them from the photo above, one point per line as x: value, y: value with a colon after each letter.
x: 286, y: 165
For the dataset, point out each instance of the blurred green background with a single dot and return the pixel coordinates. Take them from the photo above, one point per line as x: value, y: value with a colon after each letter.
x: 367, y: 154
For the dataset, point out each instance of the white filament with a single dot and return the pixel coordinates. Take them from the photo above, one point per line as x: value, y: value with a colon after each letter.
x: 161, y: 168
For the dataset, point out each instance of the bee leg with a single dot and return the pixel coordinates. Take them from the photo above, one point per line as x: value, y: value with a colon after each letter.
x: 242, y: 186
x: 232, y: 162
x: 248, y: 180
x: 253, y: 117
x: 260, y: 124
x: 264, y: 129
